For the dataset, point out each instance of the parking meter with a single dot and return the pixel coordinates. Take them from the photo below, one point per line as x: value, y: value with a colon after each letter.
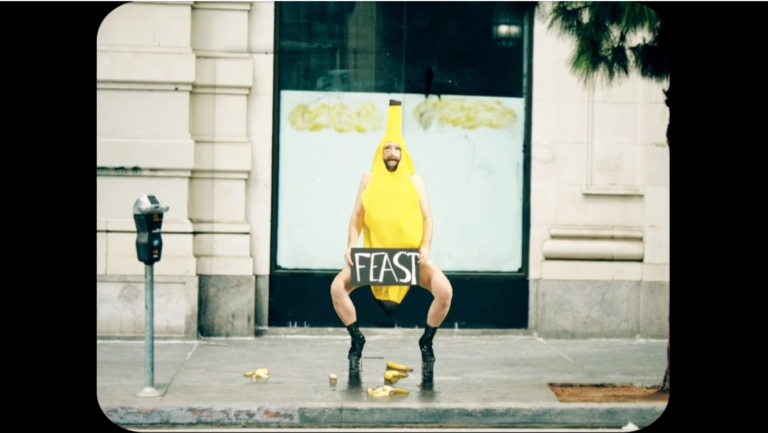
x: 148, y: 214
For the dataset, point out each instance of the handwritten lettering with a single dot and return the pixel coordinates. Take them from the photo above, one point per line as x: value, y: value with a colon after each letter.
x: 386, y: 267
x: 373, y: 264
x: 358, y: 266
x: 404, y: 269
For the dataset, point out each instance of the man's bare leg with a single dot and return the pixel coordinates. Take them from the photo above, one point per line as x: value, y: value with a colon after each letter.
x: 433, y: 279
x: 340, y: 290
x: 437, y: 283
x: 345, y: 309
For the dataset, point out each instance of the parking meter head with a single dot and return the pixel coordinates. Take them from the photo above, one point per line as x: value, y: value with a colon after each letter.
x: 148, y: 213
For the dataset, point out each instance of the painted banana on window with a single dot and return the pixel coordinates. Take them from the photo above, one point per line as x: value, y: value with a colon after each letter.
x: 463, y: 113
x: 340, y: 117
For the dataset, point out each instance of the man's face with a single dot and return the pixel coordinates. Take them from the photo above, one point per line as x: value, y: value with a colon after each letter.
x: 392, y: 154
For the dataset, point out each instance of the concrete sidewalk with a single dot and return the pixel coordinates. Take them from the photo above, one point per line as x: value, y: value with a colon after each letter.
x: 482, y: 379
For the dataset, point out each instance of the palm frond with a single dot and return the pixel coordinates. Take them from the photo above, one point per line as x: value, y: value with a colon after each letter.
x: 602, y: 31
x: 567, y: 18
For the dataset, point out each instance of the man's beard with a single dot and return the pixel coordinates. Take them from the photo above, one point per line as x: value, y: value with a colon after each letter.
x: 391, y: 169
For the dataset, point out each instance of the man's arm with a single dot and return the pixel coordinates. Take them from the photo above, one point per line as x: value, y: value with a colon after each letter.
x: 426, y: 212
x: 358, y: 214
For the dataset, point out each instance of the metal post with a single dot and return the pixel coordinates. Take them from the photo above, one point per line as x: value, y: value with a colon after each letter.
x: 149, y: 348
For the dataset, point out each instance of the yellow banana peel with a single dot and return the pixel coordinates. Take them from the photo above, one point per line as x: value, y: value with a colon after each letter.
x: 386, y: 391
x: 394, y: 375
x: 259, y: 373
x: 382, y: 391
x: 395, y: 366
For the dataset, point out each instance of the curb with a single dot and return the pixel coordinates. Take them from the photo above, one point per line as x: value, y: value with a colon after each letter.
x: 590, y: 415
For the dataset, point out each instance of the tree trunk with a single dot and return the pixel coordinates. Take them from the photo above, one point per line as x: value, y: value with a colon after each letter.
x: 666, y: 102
x: 665, y: 382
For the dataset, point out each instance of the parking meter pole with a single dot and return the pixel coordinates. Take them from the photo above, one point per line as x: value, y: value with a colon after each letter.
x: 148, y: 215
x: 149, y: 332
x: 149, y: 288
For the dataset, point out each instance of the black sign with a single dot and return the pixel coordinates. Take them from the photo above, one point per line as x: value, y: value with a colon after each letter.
x: 385, y: 267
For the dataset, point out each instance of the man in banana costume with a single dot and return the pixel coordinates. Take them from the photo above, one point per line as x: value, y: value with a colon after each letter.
x: 392, y: 210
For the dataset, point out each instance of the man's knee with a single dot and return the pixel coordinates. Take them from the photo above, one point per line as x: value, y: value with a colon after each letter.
x: 339, y: 286
x: 442, y: 290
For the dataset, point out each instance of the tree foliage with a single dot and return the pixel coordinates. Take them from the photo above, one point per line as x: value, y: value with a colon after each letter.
x: 612, y: 39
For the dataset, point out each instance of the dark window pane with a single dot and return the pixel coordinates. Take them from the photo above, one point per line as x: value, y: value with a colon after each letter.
x: 395, y: 47
x: 344, y: 46
x: 456, y: 41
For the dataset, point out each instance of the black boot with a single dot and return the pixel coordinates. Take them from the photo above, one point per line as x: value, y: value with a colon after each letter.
x: 354, y: 382
x: 427, y: 354
x: 356, y: 349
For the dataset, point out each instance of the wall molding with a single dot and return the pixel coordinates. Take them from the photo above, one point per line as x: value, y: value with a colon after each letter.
x: 222, y: 90
x: 610, y: 190
x: 232, y: 6
x: 165, y: 3
x: 177, y: 226
x: 594, y: 243
x: 203, y: 54
x: 143, y: 85
x: 218, y: 174
x: 104, y: 48
x: 593, y: 249
x: 595, y: 232
x: 141, y: 172
x: 170, y: 225
x: 220, y: 139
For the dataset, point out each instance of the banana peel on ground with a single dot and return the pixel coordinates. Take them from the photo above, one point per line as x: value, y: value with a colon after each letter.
x: 398, y: 367
x: 392, y: 376
x: 386, y: 391
x: 258, y: 375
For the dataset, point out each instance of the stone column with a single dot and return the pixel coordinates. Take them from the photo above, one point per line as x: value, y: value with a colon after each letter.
x: 261, y: 44
x: 144, y: 74
x: 218, y: 110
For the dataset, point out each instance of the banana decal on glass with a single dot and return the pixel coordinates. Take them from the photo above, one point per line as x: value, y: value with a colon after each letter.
x: 339, y: 117
x: 463, y: 113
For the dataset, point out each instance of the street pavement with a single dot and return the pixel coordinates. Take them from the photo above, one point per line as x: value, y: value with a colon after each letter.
x: 483, y: 379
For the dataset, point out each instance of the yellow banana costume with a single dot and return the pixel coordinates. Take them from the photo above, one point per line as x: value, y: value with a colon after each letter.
x: 393, y: 217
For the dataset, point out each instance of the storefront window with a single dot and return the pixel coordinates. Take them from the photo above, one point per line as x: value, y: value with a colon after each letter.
x: 457, y: 67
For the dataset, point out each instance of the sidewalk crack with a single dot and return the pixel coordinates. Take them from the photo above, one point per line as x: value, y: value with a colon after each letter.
x: 559, y: 352
x: 170, y: 382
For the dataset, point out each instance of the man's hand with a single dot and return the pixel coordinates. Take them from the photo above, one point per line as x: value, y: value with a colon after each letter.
x: 348, y: 256
x: 423, y: 255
